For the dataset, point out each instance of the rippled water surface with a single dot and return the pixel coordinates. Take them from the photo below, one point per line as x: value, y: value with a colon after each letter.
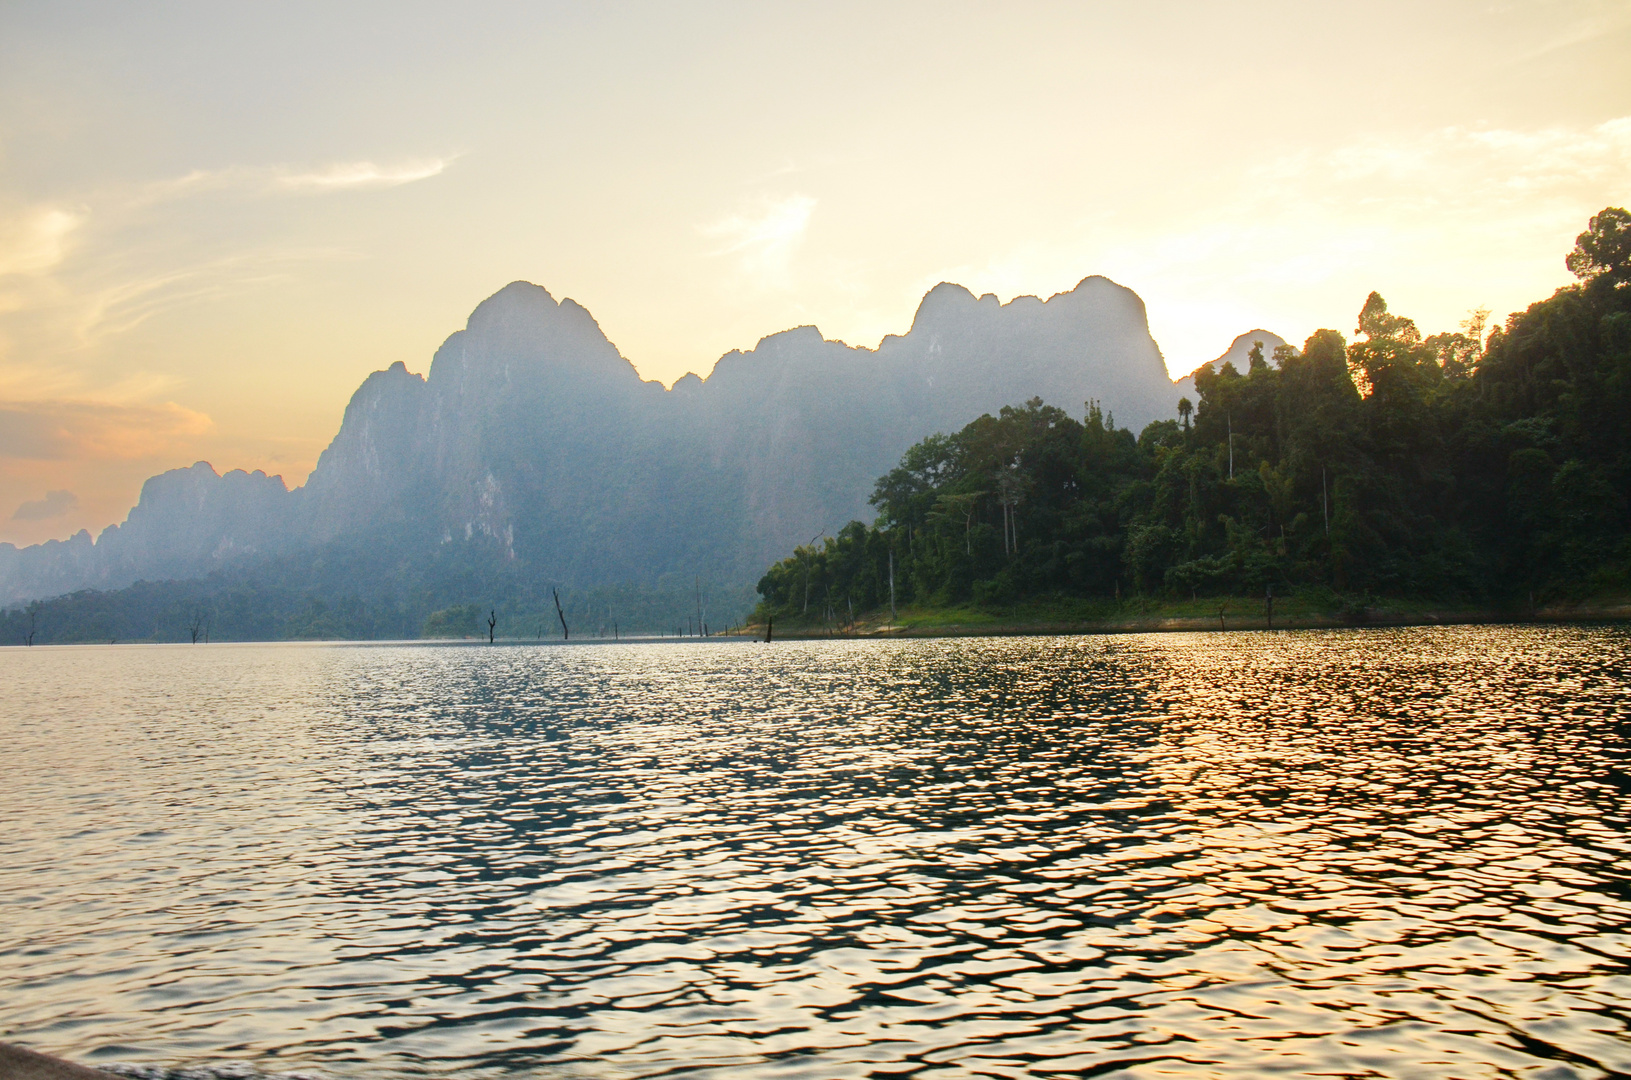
x: 1390, y: 853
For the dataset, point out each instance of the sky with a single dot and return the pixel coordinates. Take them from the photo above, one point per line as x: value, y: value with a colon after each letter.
x: 216, y: 220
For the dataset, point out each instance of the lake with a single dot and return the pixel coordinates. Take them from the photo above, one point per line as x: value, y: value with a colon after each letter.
x: 1365, y: 853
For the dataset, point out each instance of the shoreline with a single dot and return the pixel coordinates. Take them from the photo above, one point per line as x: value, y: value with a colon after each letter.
x: 966, y: 623
x: 1030, y: 620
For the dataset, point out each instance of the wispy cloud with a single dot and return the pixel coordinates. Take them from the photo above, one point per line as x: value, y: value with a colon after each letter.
x: 264, y: 180
x: 763, y: 238
x: 22, y: 381
x: 121, y: 307
x: 73, y: 275
x: 363, y: 174
x: 34, y: 240
x: 90, y: 430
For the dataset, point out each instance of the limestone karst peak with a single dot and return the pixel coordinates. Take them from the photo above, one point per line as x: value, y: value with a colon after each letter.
x: 942, y: 300
x: 517, y: 302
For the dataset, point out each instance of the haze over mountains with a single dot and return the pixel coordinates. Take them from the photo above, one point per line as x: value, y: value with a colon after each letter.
x: 534, y: 444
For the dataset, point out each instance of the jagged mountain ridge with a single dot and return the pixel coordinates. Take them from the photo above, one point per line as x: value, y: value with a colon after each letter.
x: 531, y: 439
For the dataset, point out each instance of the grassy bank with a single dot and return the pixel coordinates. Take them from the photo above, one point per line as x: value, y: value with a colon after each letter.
x: 1140, y: 615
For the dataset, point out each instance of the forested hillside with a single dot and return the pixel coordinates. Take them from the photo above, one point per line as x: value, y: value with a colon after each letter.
x: 1443, y: 467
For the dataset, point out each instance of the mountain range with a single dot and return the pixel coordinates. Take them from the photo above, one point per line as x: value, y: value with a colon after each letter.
x: 533, y: 444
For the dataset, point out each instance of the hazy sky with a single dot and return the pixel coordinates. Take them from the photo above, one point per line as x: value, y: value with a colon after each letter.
x: 216, y: 219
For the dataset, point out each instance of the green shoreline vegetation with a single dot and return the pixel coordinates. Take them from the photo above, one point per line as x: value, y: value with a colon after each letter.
x: 1315, y: 609
x: 1394, y: 478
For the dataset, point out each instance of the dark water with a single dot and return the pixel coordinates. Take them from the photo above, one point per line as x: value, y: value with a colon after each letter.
x: 1344, y: 854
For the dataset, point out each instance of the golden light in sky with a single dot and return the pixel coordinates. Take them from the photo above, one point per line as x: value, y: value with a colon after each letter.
x: 215, y: 221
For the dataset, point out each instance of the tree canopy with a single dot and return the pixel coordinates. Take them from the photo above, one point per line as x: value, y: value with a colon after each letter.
x: 1449, y: 467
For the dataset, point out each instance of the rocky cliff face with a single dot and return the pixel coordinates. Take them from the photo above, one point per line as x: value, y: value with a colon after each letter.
x: 806, y: 425
x: 187, y: 522
x: 367, y: 475
x: 194, y: 517
x: 532, y: 439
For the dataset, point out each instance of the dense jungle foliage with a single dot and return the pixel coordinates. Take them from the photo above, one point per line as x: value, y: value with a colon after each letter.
x: 1393, y: 465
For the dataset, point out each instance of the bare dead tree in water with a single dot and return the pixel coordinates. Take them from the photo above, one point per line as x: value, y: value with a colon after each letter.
x: 566, y: 635
x: 33, y: 614
x: 891, y: 585
x: 197, y: 626
x: 492, y: 621
x: 769, y: 622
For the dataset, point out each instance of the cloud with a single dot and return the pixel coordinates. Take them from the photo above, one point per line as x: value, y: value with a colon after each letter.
x: 70, y: 277
x: 55, y: 504
x: 283, y: 179
x: 35, y: 240
x: 763, y: 240
x: 126, y: 305
x: 23, y: 381
x: 362, y: 174
x: 79, y: 276
x: 86, y: 430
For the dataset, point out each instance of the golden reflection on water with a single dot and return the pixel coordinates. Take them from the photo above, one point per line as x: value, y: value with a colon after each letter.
x: 1379, y: 853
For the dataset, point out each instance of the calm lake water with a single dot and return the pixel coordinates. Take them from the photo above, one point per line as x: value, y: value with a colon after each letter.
x: 1397, y: 853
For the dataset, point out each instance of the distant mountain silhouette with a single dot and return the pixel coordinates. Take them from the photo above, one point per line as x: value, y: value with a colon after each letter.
x: 533, y: 442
